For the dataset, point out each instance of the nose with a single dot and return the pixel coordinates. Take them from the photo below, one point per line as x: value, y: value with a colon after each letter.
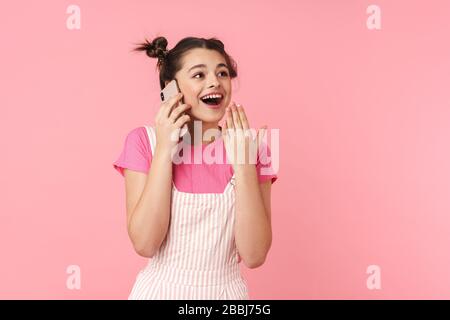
x: 213, y: 82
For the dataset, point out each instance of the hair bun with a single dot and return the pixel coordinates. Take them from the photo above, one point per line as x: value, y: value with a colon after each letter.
x: 159, y: 48
x: 154, y: 49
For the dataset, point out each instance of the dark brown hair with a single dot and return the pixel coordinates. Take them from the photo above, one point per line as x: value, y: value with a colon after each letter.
x: 169, y: 61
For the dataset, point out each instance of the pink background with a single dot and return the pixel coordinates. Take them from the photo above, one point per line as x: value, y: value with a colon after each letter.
x: 364, y: 119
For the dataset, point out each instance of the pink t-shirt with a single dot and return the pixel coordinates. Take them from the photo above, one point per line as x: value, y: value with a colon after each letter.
x: 188, y: 177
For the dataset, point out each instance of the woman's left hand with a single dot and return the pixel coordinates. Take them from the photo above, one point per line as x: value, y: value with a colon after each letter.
x: 239, y: 139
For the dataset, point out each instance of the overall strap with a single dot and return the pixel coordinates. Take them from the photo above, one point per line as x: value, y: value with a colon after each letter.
x: 152, y: 138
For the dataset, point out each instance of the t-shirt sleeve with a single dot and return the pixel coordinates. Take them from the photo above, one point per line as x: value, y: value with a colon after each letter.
x: 265, y: 166
x: 136, y: 153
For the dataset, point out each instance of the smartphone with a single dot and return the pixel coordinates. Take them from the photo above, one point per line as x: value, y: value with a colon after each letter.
x: 170, y: 90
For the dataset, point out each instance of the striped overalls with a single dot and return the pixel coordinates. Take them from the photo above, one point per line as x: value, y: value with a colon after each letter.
x: 198, y: 257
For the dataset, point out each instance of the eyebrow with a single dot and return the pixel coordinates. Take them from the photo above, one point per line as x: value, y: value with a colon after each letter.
x: 204, y: 66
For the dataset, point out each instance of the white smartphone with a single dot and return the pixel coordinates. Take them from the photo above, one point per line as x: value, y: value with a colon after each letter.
x: 170, y: 90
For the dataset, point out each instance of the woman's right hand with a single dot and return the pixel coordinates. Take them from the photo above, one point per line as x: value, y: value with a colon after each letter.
x: 168, y: 123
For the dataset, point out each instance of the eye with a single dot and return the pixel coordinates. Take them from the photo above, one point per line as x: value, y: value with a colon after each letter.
x: 201, y: 73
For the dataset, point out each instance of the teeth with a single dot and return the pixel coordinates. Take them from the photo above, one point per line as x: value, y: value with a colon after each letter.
x: 212, y: 96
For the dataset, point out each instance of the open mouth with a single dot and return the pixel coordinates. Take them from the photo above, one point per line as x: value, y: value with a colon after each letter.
x: 212, y: 101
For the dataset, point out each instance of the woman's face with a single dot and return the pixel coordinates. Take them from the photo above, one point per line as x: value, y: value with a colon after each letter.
x: 196, y: 82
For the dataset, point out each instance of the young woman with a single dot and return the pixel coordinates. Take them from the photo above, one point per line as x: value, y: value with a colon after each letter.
x: 196, y: 221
